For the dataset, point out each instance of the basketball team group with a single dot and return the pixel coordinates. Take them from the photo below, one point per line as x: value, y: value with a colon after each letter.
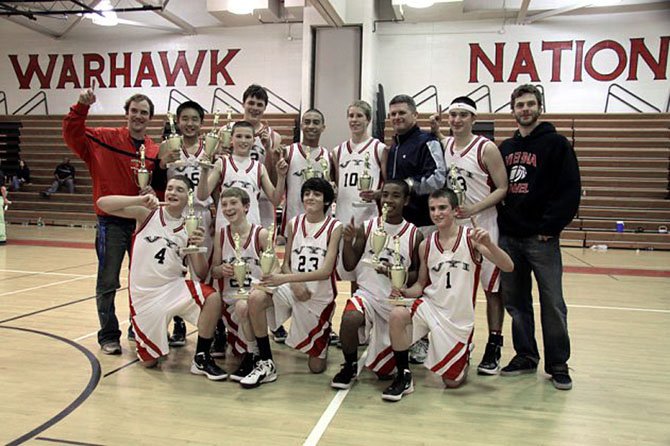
x: 415, y: 227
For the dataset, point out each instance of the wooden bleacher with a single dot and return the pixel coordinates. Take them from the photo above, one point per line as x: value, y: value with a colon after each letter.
x: 624, y: 161
x: 42, y: 148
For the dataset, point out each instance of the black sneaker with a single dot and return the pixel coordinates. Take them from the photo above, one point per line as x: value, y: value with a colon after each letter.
x: 345, y: 377
x: 204, y: 364
x: 518, y: 366
x: 279, y: 335
x: 246, y: 366
x: 560, y: 378
x: 334, y: 340
x: 418, y: 351
x: 403, y: 384
x: 218, y: 349
x: 490, y: 364
x: 264, y: 372
x: 131, y: 334
x: 178, y: 338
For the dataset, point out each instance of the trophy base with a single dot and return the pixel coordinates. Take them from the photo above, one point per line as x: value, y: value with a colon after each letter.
x: 241, y: 295
x: 361, y: 204
x: 264, y: 288
x: 194, y: 250
x: 205, y: 165
x: 401, y: 302
x: 176, y: 164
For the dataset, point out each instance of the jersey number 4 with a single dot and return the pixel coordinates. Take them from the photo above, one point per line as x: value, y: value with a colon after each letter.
x: 160, y: 256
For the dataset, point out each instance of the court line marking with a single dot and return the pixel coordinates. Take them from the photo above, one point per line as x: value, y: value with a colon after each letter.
x: 41, y: 273
x: 93, y: 333
x: 83, y: 396
x: 61, y: 441
x: 320, y: 428
x: 9, y: 293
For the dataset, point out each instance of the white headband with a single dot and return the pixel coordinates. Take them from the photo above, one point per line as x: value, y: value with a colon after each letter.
x: 462, y: 106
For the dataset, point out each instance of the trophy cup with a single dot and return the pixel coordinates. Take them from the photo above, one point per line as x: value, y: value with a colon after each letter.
x: 191, y: 222
x: 211, y: 143
x: 364, y: 181
x: 142, y: 174
x: 268, y: 259
x: 398, y: 272
x: 325, y: 169
x: 379, y: 238
x: 309, y: 171
x: 455, y: 185
x: 173, y: 141
x: 226, y: 133
x: 239, y: 269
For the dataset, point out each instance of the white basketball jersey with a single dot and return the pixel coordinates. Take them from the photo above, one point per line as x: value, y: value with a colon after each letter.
x: 308, y: 252
x: 191, y: 170
x: 367, y: 278
x: 454, y: 276
x: 473, y: 176
x: 155, y: 259
x: 299, y: 157
x: 258, y: 149
x: 247, y: 176
x: 351, y: 162
x: 250, y: 253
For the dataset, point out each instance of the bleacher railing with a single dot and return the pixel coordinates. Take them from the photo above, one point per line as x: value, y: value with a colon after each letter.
x: 178, y: 97
x: 3, y: 101
x: 38, y: 99
x: 228, y: 103
x: 619, y: 90
x: 431, y: 88
x: 486, y: 95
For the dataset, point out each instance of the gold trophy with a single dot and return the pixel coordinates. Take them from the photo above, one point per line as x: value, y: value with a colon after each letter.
x: 325, y: 170
x: 455, y: 185
x: 268, y: 259
x: 398, y: 272
x: 174, y: 141
x: 142, y: 174
x: 239, y: 269
x: 379, y: 238
x: 191, y: 222
x: 364, y: 181
x: 211, y: 143
x: 226, y: 133
x: 309, y: 171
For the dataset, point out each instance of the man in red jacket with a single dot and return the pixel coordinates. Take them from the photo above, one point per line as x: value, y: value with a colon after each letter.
x: 110, y: 155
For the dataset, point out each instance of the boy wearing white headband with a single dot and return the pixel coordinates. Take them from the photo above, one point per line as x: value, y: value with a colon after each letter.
x: 475, y: 167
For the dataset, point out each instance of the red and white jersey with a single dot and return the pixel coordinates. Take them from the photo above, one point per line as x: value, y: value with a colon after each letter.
x: 368, y: 279
x: 473, y: 176
x: 245, y: 174
x: 351, y: 163
x: 249, y: 252
x: 308, y: 252
x: 154, y: 258
x: 299, y: 157
x: 454, y: 276
x: 191, y: 170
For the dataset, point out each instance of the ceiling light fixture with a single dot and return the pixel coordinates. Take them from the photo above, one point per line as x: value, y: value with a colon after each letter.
x: 419, y: 3
x: 241, y: 7
x: 108, y: 17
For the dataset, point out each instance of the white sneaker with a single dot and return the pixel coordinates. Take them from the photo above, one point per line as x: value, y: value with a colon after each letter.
x: 418, y: 351
x: 264, y: 372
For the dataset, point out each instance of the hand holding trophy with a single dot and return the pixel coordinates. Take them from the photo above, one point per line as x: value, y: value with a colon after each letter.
x: 211, y: 143
x: 226, y: 132
x: 239, y: 269
x: 268, y: 259
x: 398, y: 274
x: 379, y: 239
x: 364, y: 181
x: 456, y: 185
x: 142, y: 174
x: 192, y: 222
x: 174, y: 142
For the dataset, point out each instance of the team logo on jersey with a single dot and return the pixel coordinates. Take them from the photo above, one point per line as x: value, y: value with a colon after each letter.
x: 451, y: 264
x: 387, y: 255
x: 314, y: 250
x: 517, y: 173
x: 356, y: 163
x: 246, y: 185
x: 153, y: 239
x: 248, y: 260
x: 461, y: 172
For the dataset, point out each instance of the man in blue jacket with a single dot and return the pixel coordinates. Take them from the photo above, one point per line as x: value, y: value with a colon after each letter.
x: 542, y: 198
x: 415, y: 157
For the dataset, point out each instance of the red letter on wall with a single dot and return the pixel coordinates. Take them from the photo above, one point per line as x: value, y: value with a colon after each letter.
x: 495, y: 70
x: 33, y: 68
x: 146, y: 71
x: 68, y: 73
x: 556, y: 48
x: 638, y: 48
x: 524, y: 64
x: 217, y: 68
x: 91, y: 72
x: 181, y: 65
x: 123, y: 70
x: 605, y: 45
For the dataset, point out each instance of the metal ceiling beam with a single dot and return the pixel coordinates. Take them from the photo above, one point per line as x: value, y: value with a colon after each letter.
x: 555, y: 12
x: 521, y: 16
x: 172, y: 18
x: 33, y: 26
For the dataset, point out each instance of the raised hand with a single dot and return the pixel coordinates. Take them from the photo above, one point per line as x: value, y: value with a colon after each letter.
x: 349, y: 232
x: 435, y: 121
x: 149, y: 201
x: 282, y: 167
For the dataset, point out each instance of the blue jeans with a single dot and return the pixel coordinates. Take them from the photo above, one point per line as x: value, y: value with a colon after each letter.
x: 113, y: 240
x: 543, y: 260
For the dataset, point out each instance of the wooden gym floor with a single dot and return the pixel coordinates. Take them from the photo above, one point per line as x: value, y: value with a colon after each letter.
x: 59, y: 389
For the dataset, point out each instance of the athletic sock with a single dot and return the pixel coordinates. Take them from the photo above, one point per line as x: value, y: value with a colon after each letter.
x: 351, y: 358
x: 401, y: 360
x: 252, y: 347
x: 203, y: 345
x: 264, y: 350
